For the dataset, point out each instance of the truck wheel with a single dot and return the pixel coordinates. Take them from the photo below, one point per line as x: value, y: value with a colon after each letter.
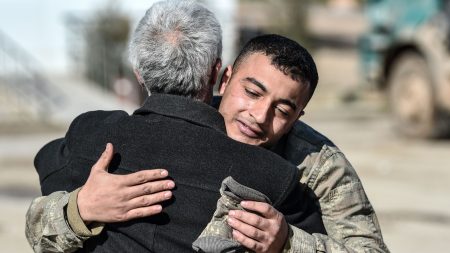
x: 411, y: 96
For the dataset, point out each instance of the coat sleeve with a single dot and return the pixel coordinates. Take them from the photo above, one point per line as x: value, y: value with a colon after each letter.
x: 46, y: 227
x: 53, y: 224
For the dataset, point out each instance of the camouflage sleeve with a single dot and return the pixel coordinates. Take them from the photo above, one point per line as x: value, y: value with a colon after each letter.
x: 217, y: 235
x: 47, y: 229
x: 347, y: 214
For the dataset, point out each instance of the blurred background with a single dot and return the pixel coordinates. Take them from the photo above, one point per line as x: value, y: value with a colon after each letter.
x: 383, y: 94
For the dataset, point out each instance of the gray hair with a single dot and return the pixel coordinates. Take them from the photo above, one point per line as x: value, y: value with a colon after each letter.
x: 175, y: 46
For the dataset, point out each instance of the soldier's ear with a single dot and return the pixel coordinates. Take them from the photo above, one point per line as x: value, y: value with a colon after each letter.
x: 225, y: 79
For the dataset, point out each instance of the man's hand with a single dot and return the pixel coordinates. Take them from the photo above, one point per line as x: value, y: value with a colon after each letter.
x: 266, y: 232
x: 111, y: 198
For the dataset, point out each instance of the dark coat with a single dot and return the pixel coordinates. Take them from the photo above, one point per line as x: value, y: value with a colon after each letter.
x: 188, y: 139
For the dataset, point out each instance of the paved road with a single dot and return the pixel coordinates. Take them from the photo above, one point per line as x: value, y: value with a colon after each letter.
x: 406, y: 180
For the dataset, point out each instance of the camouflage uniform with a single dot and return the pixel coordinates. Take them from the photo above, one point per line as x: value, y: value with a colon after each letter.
x: 54, y: 225
x: 217, y: 237
x: 347, y: 214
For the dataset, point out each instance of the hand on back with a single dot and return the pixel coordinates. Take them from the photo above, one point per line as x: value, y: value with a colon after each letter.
x: 112, y: 198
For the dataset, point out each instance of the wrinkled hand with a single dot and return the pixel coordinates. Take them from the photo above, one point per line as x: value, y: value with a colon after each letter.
x: 266, y: 232
x: 111, y: 198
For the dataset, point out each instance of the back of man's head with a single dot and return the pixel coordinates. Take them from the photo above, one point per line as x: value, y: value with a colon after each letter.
x: 287, y: 55
x: 175, y: 46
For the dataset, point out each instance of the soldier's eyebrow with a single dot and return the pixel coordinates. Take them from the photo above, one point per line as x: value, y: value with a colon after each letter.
x: 289, y: 103
x: 257, y: 83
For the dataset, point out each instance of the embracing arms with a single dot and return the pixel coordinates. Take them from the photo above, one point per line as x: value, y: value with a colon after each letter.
x: 347, y: 214
x: 62, y: 221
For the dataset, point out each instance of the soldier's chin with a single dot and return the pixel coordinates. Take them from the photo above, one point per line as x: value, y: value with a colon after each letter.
x: 254, y: 142
x: 245, y: 139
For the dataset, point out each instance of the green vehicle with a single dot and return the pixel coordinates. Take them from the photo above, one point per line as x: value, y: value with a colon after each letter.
x: 406, y: 52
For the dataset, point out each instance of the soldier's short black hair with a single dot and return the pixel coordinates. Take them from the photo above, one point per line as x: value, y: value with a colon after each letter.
x: 287, y: 55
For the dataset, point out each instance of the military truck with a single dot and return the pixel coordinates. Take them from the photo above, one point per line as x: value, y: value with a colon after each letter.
x: 406, y: 54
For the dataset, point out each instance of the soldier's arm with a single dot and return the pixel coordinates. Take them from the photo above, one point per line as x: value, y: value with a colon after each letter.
x: 47, y: 228
x: 347, y: 214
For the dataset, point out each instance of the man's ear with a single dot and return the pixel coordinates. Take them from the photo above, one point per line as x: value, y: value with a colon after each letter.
x: 215, y: 71
x: 139, y: 78
x: 225, y: 79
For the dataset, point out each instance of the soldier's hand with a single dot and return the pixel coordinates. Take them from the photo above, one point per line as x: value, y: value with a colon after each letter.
x: 111, y: 198
x: 266, y: 231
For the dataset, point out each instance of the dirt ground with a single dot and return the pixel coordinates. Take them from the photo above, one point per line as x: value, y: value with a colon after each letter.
x: 406, y: 180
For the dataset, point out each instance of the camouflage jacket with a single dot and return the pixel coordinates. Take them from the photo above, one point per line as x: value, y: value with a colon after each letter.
x: 347, y: 214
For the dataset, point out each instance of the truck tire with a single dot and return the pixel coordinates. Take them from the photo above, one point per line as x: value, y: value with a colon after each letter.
x: 411, y: 96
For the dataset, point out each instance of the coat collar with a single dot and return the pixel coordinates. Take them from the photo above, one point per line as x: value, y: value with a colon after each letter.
x: 183, y: 108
